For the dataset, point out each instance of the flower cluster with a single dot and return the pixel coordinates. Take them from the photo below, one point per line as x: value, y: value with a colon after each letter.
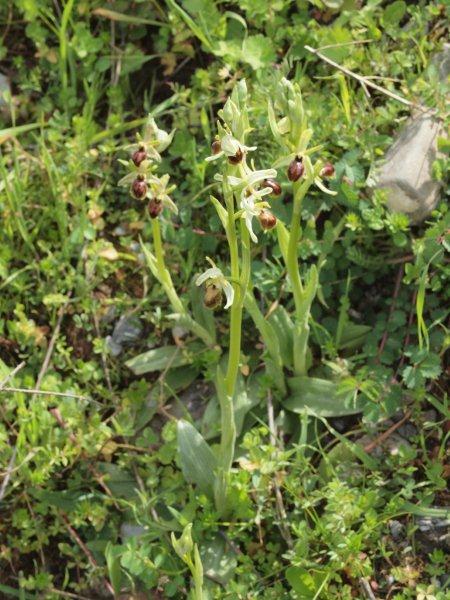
x: 293, y: 135
x: 249, y: 187
x: 144, y: 184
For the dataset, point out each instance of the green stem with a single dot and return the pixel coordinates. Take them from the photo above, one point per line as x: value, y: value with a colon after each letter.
x: 163, y: 274
x: 301, y: 333
x: 226, y: 395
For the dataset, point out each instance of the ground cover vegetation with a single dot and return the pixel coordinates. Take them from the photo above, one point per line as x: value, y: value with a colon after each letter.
x: 223, y: 361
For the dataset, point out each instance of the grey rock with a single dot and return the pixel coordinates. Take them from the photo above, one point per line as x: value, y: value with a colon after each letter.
x: 406, y: 173
x: 407, y: 430
x: 397, y: 529
x: 126, y: 331
x: 441, y: 62
x: 130, y: 530
x: 4, y: 87
x: 433, y: 532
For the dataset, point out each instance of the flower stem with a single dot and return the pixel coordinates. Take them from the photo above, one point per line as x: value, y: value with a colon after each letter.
x: 163, y: 274
x: 228, y: 425
x: 165, y: 280
x: 301, y: 319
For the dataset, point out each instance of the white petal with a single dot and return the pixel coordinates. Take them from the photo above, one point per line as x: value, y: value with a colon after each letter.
x: 234, y: 181
x: 127, y: 179
x: 164, y: 139
x: 167, y: 201
x: 230, y: 145
x: 214, y: 157
x: 323, y: 188
x: 229, y: 293
x: 248, y: 224
x: 257, y: 176
x: 212, y: 273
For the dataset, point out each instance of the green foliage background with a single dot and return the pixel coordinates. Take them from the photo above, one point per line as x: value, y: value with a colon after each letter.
x: 84, y: 75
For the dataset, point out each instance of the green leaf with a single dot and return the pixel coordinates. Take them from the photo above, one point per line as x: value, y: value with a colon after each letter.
x: 304, y: 583
x: 394, y: 12
x: 120, y: 481
x: 223, y: 215
x: 197, y: 460
x: 219, y: 560
x: 283, y: 327
x: 353, y: 335
x: 319, y: 397
x: 112, y: 555
x: 258, y: 51
x: 112, y: 15
x: 159, y: 359
x: 196, y: 30
x: 12, y: 593
x: 283, y: 237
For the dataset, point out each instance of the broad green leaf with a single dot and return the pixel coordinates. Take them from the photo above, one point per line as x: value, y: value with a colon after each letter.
x: 283, y: 327
x: 67, y: 500
x: 197, y: 460
x: 219, y: 560
x: 120, y: 481
x: 353, y: 335
x: 159, y: 359
x: 319, y: 397
x: 306, y: 584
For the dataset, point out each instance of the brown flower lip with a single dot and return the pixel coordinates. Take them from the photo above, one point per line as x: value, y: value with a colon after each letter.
x: 139, y: 156
x: 213, y: 297
x: 154, y: 208
x: 295, y: 169
x: 139, y: 187
x: 327, y: 170
x: 216, y: 147
x: 236, y: 159
x: 267, y: 220
x: 274, y: 185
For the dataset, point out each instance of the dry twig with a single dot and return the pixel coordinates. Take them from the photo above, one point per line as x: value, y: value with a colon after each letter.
x: 365, y: 82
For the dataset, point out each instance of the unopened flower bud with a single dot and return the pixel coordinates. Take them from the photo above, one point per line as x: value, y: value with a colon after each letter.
x: 216, y: 147
x: 236, y: 159
x: 267, y: 220
x: 274, y: 185
x: 295, y: 169
x: 213, y: 297
x: 327, y: 170
x: 139, y: 156
x: 139, y: 187
x: 154, y: 208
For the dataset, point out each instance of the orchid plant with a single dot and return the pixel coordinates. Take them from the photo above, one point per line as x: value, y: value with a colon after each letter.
x: 244, y: 200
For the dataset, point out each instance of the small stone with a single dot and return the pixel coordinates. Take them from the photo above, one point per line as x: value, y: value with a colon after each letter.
x: 126, y: 331
x: 406, y: 174
x: 396, y: 528
x: 130, y: 530
x: 407, y: 171
x: 5, y: 89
